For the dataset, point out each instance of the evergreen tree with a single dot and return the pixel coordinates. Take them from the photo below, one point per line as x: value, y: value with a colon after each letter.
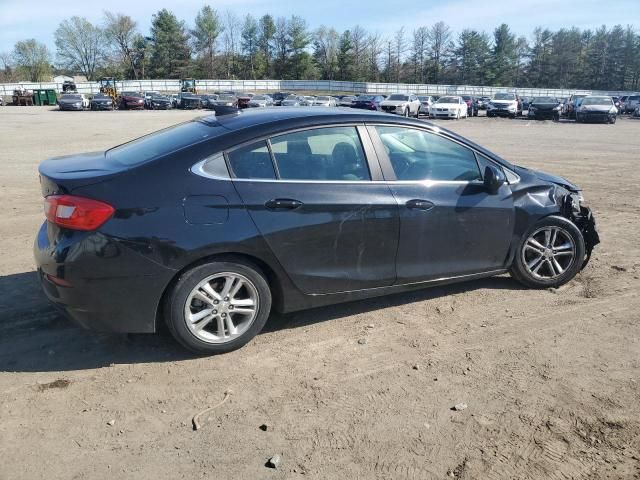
x: 170, y: 42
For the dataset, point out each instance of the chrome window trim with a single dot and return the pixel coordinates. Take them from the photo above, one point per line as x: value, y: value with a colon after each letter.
x: 198, y: 168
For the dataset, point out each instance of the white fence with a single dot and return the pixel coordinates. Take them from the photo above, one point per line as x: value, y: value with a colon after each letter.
x: 307, y: 85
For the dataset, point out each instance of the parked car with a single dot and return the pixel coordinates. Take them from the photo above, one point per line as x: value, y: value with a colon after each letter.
x: 261, y: 101
x: 158, y: 102
x: 101, y: 101
x: 243, y: 99
x: 308, y: 100
x: 346, y: 101
x: 278, y: 97
x: 402, y: 104
x: 472, y: 105
x: 225, y: 100
x: 211, y: 224
x: 188, y: 101
x: 73, y: 101
x: 544, y: 108
x: 293, y: 101
x: 131, y: 100
x: 207, y: 100
x: 596, y: 109
x: 570, y: 106
x: 504, y: 104
x: 632, y: 102
x: 323, y: 101
x: 526, y: 101
x: 636, y: 112
x: 425, y: 104
x: 368, y: 102
x: 483, y: 102
x: 147, y: 96
x: 451, y: 106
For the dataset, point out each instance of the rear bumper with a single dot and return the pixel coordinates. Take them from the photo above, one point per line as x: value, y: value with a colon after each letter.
x: 97, y: 282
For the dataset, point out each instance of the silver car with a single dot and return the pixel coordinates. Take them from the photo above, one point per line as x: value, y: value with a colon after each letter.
x: 402, y: 104
x: 324, y: 101
x: 425, y: 102
x: 346, y: 101
x: 261, y: 101
x: 294, y: 101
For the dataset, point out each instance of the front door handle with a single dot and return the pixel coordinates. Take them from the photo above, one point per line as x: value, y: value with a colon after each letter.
x: 419, y: 204
x: 282, y: 204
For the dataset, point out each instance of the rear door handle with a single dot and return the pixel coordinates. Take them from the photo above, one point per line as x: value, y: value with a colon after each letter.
x: 282, y: 204
x: 419, y: 204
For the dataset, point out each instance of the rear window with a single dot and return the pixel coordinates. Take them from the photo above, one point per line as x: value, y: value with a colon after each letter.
x: 162, y: 143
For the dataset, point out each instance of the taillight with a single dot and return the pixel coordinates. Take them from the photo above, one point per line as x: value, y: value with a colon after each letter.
x: 77, y: 213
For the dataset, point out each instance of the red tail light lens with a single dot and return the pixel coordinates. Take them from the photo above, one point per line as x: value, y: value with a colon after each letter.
x: 77, y: 213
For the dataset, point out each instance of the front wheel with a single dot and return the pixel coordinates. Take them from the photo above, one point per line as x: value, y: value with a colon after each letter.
x: 406, y: 112
x: 218, y: 307
x: 612, y: 120
x: 550, y: 254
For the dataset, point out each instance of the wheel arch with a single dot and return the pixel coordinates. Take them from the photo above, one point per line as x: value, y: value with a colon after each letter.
x: 274, y: 281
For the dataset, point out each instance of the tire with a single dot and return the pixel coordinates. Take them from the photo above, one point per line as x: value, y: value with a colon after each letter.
x: 612, y: 120
x: 207, y: 340
x: 566, y: 234
x: 406, y: 113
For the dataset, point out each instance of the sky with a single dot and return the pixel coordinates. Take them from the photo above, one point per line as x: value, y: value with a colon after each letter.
x: 38, y: 19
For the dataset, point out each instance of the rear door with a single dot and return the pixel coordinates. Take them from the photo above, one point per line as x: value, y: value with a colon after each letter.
x: 449, y: 224
x: 314, y: 197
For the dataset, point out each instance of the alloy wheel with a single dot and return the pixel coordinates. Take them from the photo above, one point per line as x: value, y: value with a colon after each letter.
x: 221, y: 307
x: 548, y: 253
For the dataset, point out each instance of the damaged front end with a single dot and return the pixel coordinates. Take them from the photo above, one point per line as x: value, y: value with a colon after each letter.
x: 573, y: 208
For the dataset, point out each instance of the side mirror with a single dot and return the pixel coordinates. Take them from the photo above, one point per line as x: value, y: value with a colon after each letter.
x: 494, y: 178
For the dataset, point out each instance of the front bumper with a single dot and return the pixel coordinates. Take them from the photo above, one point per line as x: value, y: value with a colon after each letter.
x: 97, y: 282
x: 595, y: 117
x: 102, y: 106
x: 543, y: 114
x: 76, y: 108
x: 501, y: 112
x: 442, y: 113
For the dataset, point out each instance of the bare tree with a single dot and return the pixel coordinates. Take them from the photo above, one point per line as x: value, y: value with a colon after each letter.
x: 33, y: 58
x: 120, y: 31
x: 439, y: 40
x: 325, y: 50
x: 80, y: 46
x: 374, y: 50
x: 419, y: 52
x: 399, y: 48
x: 359, y: 43
x: 231, y: 41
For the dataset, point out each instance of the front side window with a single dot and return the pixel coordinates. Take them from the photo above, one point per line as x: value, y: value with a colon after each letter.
x: 333, y: 153
x: 417, y: 155
x: 252, y: 161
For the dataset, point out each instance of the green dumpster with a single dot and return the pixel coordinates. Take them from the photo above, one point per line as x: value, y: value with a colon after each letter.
x: 44, y: 97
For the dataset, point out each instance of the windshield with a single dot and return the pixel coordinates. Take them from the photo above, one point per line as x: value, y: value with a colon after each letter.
x: 131, y: 94
x: 504, y: 96
x: 466, y: 97
x: 323, y: 99
x: 423, y: 99
x: 596, y: 101
x: 347, y: 99
x: 545, y: 100
x: 260, y: 97
x: 403, y: 98
x: 226, y: 97
x: 448, y: 100
x: 291, y: 97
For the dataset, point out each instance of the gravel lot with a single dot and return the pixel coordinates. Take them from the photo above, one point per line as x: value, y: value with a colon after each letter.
x: 551, y: 378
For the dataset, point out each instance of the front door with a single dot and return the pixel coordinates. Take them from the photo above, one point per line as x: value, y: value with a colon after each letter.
x: 450, y: 225
x: 311, y: 195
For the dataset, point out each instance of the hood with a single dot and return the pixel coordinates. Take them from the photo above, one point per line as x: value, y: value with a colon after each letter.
x: 544, y: 106
x: 444, y: 105
x: 70, y: 100
x: 595, y: 108
x: 101, y: 100
x: 548, y: 177
x: 503, y: 102
x: 132, y: 98
x: 160, y: 100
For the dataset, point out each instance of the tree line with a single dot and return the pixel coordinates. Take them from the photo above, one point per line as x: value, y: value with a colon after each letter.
x: 225, y: 46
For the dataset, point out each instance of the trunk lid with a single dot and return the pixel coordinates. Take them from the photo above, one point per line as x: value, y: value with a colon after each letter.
x: 60, y: 175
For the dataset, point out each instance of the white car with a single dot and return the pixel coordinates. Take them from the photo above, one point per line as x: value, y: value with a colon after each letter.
x: 402, y: 104
x: 504, y: 104
x: 449, y: 107
x: 294, y: 101
x: 324, y: 101
x: 261, y: 101
x: 346, y: 101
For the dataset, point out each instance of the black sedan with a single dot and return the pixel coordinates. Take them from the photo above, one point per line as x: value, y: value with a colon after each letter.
x: 101, y: 102
x: 544, y: 108
x: 368, y: 102
x: 158, y: 102
x: 212, y: 224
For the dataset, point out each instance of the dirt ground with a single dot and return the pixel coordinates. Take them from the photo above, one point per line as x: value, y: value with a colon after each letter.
x: 551, y: 378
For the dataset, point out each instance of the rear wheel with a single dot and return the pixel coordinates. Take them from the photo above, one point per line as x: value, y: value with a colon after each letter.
x: 550, y: 254
x: 218, y: 307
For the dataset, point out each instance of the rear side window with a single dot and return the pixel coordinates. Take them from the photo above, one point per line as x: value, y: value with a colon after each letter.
x: 419, y: 155
x: 333, y: 153
x: 162, y: 143
x: 252, y: 161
